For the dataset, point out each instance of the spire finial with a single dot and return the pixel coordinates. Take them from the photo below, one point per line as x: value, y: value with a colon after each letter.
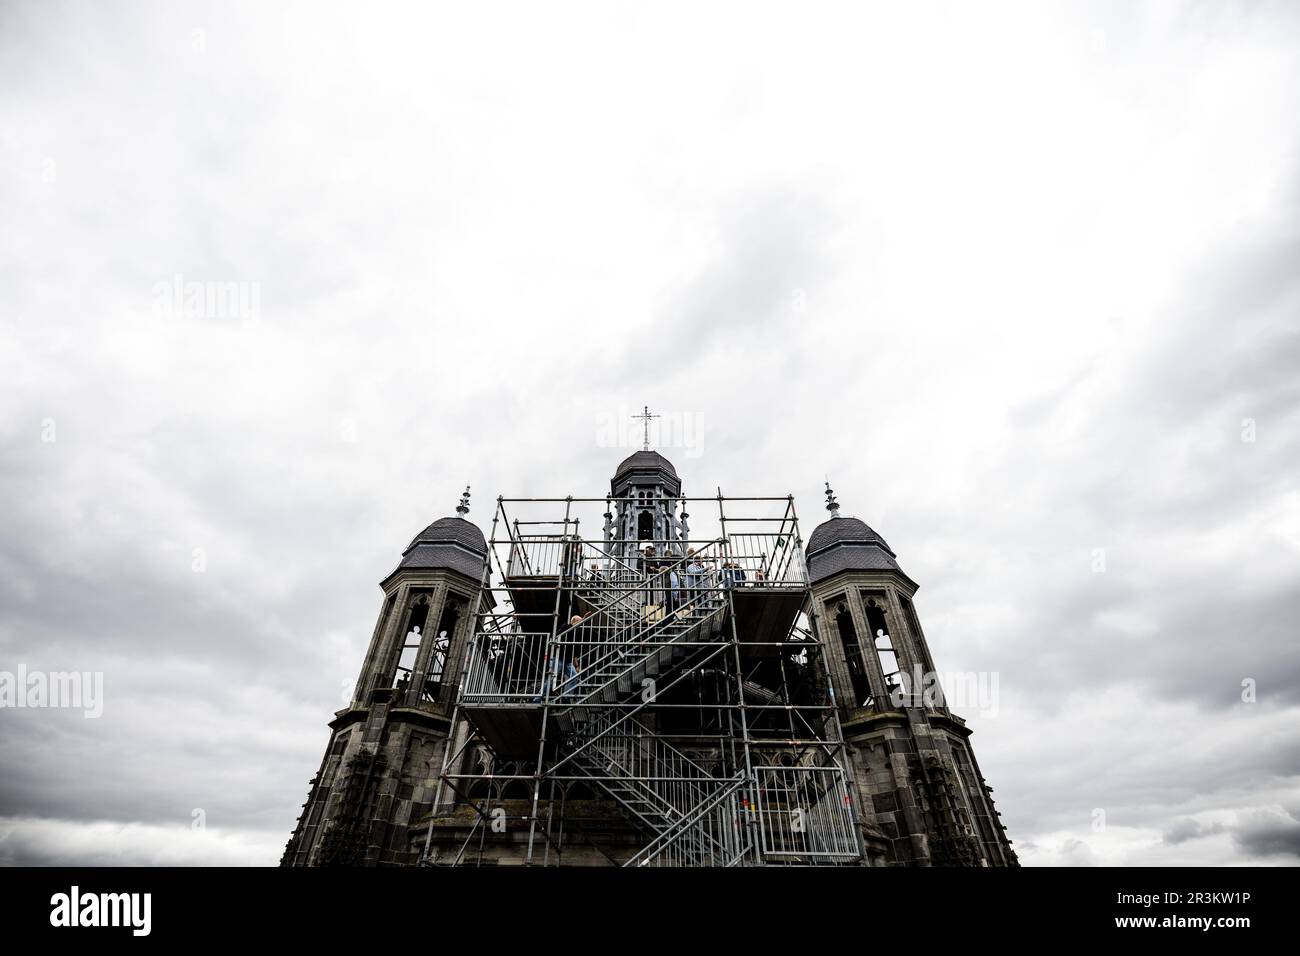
x: 832, y: 505
x: 462, y: 509
x: 646, y: 416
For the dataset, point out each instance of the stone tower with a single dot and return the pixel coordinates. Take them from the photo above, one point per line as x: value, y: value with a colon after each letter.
x: 643, y: 505
x: 919, y: 785
x: 380, y: 769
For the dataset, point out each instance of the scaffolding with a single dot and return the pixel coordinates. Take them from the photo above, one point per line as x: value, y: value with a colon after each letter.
x: 677, y: 679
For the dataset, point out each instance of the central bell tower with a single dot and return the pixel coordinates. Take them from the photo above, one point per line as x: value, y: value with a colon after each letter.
x: 643, y: 506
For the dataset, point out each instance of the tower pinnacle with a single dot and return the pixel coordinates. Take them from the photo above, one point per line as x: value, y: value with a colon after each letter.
x: 832, y: 505
x: 645, y: 445
x: 462, y: 509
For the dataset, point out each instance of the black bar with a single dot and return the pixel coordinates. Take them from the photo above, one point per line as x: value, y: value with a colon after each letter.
x: 908, y: 907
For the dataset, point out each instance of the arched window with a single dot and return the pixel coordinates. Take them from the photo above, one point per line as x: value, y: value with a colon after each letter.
x: 884, y: 645
x: 853, y: 656
x: 415, y: 622
x: 438, y: 658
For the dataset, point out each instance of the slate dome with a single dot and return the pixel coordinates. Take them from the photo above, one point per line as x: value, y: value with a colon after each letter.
x: 644, y: 461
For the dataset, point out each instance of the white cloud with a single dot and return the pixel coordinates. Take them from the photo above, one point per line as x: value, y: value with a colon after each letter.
x: 49, y: 842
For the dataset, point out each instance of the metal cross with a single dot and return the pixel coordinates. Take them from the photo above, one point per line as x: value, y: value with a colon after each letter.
x: 647, y: 416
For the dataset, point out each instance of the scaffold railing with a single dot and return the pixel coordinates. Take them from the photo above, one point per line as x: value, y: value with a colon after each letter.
x: 755, y: 559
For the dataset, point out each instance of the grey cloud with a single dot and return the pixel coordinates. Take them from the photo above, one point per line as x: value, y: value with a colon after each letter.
x: 1261, y: 834
x: 1265, y: 834
x: 1188, y: 829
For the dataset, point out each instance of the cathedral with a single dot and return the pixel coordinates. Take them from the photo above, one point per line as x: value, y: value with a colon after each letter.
x: 645, y: 678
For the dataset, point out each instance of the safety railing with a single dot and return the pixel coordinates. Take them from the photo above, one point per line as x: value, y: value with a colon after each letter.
x: 609, y: 584
x: 805, y: 813
x: 529, y: 668
x: 762, y: 560
x: 751, y: 559
x: 662, y: 786
x: 542, y: 555
x: 712, y: 834
x: 596, y: 652
x: 505, y: 667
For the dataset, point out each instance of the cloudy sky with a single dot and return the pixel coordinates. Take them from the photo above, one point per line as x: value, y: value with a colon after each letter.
x: 1020, y: 278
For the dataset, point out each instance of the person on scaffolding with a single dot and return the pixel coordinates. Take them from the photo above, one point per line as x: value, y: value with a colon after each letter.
x: 569, y: 665
x: 648, y: 567
x: 666, y: 575
x: 674, y: 588
x: 563, y: 668
x: 694, y: 577
x: 732, y: 574
x: 572, y: 557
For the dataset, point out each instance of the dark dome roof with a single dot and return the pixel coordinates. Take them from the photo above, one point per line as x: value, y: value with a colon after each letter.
x: 449, y: 543
x: 644, y: 460
x: 839, y: 530
x: 847, y: 544
x: 452, y: 531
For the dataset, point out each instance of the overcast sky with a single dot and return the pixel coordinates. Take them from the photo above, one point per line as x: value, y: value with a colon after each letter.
x: 1021, y: 279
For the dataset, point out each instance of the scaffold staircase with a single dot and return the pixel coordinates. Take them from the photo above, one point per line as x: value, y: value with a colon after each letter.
x: 621, y: 653
x: 670, y: 796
